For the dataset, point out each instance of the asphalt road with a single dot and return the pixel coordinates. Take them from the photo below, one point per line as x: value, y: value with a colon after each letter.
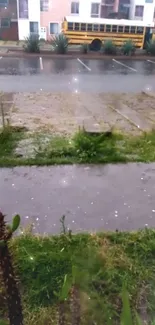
x: 33, y: 74
x: 92, y: 198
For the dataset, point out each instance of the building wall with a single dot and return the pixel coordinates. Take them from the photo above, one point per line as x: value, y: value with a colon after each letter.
x: 11, y: 33
x: 33, y: 16
x: 85, y: 8
x: 58, y: 9
x: 148, y: 12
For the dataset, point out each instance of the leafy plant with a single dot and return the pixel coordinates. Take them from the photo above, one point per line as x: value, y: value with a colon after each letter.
x: 128, y: 48
x: 84, y: 48
x: 60, y: 44
x: 7, y: 271
x: 109, y: 47
x: 150, y: 47
x: 32, y: 44
x: 62, y: 297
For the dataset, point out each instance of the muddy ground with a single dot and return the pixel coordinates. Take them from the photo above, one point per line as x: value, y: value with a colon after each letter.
x: 64, y: 113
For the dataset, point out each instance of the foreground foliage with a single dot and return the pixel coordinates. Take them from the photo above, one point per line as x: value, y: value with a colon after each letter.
x: 84, y: 147
x: 95, y: 267
x: 128, y: 48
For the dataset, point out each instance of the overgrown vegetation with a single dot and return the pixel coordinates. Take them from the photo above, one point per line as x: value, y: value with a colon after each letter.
x: 84, y: 147
x: 150, y: 47
x: 32, y: 44
x: 128, y: 48
x: 109, y: 47
x: 60, y: 44
x: 90, y: 273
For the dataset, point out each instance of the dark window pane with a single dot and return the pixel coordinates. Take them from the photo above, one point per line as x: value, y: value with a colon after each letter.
x: 89, y: 28
x: 75, y: 8
x: 114, y: 28
x: 4, y: 3
x: 108, y: 28
x: 76, y: 26
x: 127, y: 29
x: 139, y: 30
x: 34, y: 27
x: 70, y: 26
x: 5, y: 23
x: 120, y: 29
x: 102, y: 28
x: 96, y: 26
x: 44, y: 5
x: 23, y: 9
x: 132, y: 29
x: 95, y: 7
x: 139, y: 11
x: 83, y: 27
x: 54, y: 28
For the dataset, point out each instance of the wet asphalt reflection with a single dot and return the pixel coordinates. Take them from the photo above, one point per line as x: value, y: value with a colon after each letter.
x: 92, y: 197
x: 47, y: 74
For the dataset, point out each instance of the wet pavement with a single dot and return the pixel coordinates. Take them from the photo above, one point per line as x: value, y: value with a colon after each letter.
x: 92, y: 198
x: 33, y: 74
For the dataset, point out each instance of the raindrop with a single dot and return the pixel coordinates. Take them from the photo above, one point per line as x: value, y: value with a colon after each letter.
x: 37, y: 219
x: 92, y: 202
x: 125, y: 203
x: 101, y: 219
x: 153, y: 210
x: 54, y: 224
x: 142, y: 178
x: 13, y: 185
x: 146, y: 225
x: 27, y: 217
x: 116, y: 212
x: 116, y: 215
x: 128, y: 206
x: 73, y: 221
x: 32, y: 198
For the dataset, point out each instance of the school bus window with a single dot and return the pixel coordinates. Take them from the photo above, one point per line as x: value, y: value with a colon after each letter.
x: 83, y: 27
x: 95, y: 27
x: 101, y: 28
x: 133, y: 29
x: 70, y: 26
x: 139, y: 30
x: 77, y: 26
x: 126, y: 29
x: 89, y: 27
x: 114, y: 28
x: 120, y: 29
x: 108, y: 28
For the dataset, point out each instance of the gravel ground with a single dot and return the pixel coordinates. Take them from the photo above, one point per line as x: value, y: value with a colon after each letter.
x: 64, y: 113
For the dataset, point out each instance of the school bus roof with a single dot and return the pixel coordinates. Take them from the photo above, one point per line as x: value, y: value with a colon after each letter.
x: 104, y: 21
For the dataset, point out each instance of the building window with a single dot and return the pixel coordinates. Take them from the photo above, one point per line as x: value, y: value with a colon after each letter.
x: 23, y: 9
x: 5, y: 23
x: 34, y: 29
x: 4, y: 3
x: 54, y: 28
x: 139, y: 11
x: 75, y: 8
x: 44, y: 5
x: 95, y: 7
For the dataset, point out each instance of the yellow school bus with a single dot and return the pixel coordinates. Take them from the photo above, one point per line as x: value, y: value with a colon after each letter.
x: 94, y: 31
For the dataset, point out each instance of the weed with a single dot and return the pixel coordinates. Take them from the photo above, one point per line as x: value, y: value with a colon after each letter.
x: 109, y: 47
x: 32, y: 44
x: 60, y: 44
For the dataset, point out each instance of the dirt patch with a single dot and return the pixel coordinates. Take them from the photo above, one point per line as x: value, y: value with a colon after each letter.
x: 64, y: 113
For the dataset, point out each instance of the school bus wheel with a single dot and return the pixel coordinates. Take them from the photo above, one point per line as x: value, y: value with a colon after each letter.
x: 95, y: 45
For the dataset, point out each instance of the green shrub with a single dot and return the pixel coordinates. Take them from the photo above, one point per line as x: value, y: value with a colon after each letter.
x: 32, y: 44
x: 109, y: 47
x: 60, y: 44
x: 150, y: 47
x: 84, y: 48
x: 128, y: 48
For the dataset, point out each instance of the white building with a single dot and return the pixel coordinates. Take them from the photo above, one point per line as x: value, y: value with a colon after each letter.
x: 28, y: 17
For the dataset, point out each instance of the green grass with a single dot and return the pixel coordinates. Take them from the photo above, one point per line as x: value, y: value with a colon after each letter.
x: 82, y: 148
x: 104, y: 262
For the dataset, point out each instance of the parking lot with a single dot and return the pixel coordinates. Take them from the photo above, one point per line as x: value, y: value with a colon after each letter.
x: 90, y: 75
x: 61, y: 95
